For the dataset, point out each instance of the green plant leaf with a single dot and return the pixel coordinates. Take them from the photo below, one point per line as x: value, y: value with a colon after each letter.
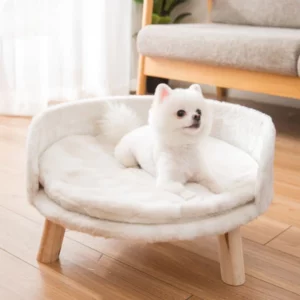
x: 165, y: 20
x: 158, y: 7
x: 139, y: 1
x: 168, y: 4
x: 180, y: 17
x: 155, y: 18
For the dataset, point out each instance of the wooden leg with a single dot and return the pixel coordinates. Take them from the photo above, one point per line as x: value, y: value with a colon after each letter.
x: 51, y: 242
x: 141, y: 87
x: 231, y: 258
x: 221, y: 93
x: 146, y: 20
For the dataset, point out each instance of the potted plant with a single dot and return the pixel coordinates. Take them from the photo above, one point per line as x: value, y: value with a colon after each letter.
x: 162, y: 10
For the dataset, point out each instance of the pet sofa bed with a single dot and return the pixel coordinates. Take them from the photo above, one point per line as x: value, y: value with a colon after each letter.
x: 75, y: 182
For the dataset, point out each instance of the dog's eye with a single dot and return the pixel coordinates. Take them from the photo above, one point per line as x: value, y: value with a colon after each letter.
x: 181, y: 113
x: 198, y: 111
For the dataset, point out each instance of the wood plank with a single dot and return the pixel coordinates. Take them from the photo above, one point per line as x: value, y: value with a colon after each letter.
x: 81, y: 264
x: 123, y: 275
x: 12, y: 170
x: 15, y: 186
x: 287, y: 242
x: 261, y: 262
x: 272, y: 266
x: 263, y: 229
x: 287, y: 160
x: 289, y: 141
x: 226, y: 77
x: 287, y: 176
x: 284, y: 189
x: 12, y: 158
x: 187, y: 270
x: 13, y: 132
x: 20, y: 206
x: 19, y: 280
x: 284, y: 210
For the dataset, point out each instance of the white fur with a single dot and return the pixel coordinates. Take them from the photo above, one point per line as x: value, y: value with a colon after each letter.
x: 150, y: 233
x: 118, y: 120
x: 250, y: 131
x: 168, y: 147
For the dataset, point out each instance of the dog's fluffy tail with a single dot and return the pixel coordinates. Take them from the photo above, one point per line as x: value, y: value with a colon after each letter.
x: 117, y: 121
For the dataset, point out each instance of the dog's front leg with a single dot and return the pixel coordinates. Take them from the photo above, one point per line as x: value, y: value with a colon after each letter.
x: 170, y: 179
x: 204, y: 176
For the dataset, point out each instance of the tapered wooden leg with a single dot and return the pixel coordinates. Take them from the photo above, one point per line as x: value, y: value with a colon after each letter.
x: 141, y: 85
x: 146, y: 20
x: 221, y: 93
x: 51, y: 242
x: 232, y: 258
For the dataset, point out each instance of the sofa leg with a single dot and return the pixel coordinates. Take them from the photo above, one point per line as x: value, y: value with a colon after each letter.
x: 221, y: 93
x: 51, y: 242
x: 141, y: 85
x: 231, y: 258
x: 146, y: 20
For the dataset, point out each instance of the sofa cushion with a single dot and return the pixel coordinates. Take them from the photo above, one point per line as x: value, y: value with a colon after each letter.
x: 275, y: 13
x: 270, y: 50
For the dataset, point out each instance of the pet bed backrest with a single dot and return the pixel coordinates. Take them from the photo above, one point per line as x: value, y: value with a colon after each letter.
x: 271, y: 13
x: 253, y: 132
x: 68, y: 119
x: 240, y: 126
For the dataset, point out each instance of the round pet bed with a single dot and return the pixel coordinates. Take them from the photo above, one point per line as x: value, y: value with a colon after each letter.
x: 75, y: 182
x: 80, y: 174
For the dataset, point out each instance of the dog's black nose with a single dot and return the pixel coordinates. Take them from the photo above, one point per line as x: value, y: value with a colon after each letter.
x: 196, y: 117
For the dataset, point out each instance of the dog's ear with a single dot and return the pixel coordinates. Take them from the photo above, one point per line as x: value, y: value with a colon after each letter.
x: 162, y: 91
x: 196, y: 87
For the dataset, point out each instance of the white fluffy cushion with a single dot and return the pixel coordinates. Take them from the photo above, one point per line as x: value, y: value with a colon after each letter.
x: 80, y: 174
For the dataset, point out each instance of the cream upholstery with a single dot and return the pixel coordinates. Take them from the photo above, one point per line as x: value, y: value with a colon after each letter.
x: 274, y: 13
x: 265, y: 49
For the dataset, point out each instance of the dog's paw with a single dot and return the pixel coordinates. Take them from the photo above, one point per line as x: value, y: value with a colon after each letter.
x: 187, y: 195
x: 177, y: 189
x: 214, y: 187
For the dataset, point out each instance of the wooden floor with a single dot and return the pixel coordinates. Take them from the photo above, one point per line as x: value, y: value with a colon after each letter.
x: 94, y: 268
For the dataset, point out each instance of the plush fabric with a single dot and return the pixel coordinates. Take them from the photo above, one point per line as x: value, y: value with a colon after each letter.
x: 279, y: 13
x: 190, y: 230
x: 249, y: 130
x: 80, y: 173
x: 272, y: 50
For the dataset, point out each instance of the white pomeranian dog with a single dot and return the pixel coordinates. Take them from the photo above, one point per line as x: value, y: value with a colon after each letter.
x: 170, y: 146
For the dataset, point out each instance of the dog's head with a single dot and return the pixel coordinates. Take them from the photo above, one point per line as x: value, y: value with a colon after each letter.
x: 181, y: 113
